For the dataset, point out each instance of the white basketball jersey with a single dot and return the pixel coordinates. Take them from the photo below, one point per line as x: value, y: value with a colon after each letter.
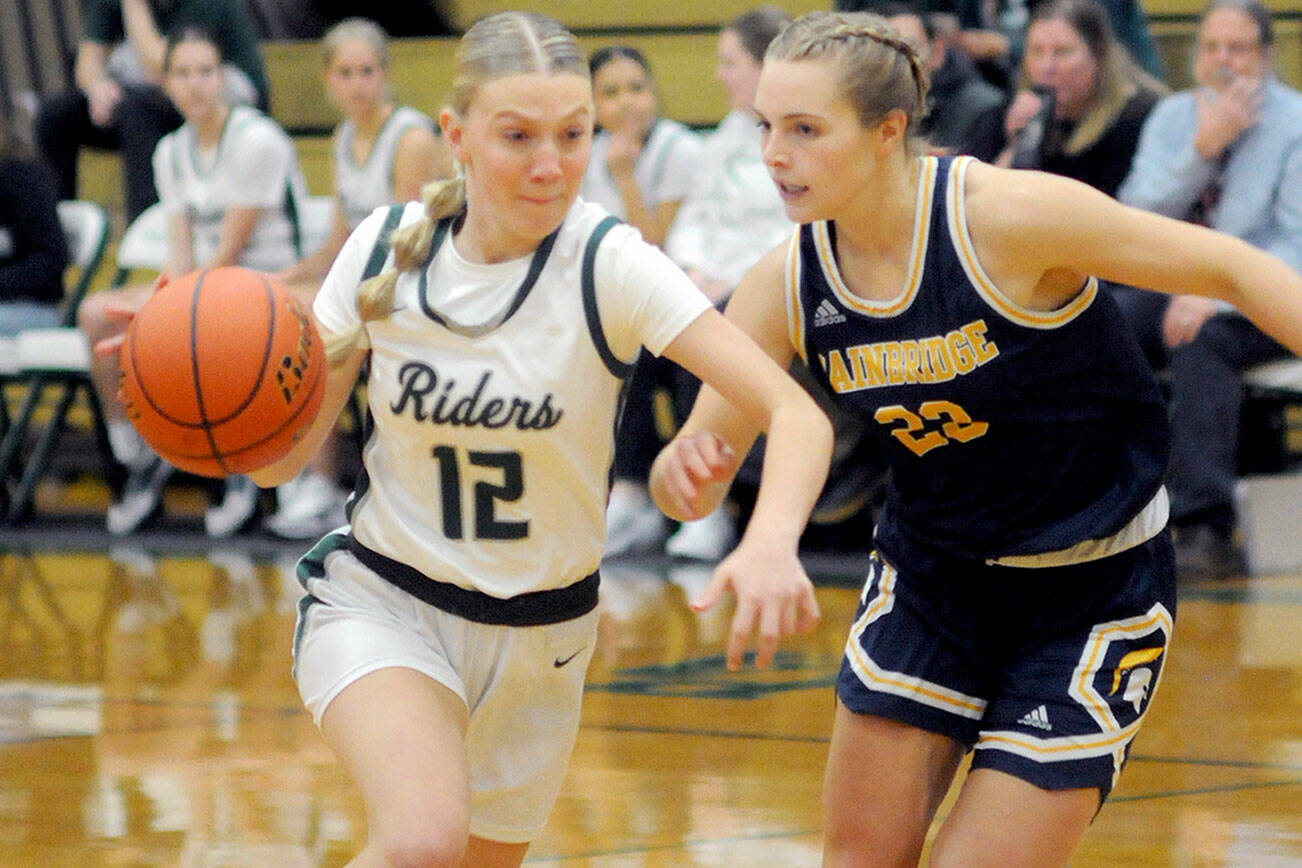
x: 494, y: 391
x: 254, y: 165
x: 664, y: 170
x: 363, y: 188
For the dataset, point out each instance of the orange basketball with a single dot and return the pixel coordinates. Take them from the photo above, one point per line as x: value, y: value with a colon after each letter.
x: 222, y: 371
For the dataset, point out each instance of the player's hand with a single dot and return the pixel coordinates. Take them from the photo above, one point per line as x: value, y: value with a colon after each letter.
x: 774, y: 599
x: 688, y: 473
x: 1184, y: 317
x: 124, y: 314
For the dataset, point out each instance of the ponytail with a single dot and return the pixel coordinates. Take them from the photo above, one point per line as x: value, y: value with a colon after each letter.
x: 442, y: 198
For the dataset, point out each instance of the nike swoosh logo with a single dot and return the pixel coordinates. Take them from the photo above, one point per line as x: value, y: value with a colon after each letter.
x: 559, y: 662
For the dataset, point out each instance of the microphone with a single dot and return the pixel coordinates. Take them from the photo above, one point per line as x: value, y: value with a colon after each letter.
x: 1028, y: 146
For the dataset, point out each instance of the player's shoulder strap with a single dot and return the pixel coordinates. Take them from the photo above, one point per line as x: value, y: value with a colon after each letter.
x: 383, y: 241
x: 590, y: 311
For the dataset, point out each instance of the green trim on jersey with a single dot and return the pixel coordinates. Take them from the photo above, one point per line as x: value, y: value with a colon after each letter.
x: 619, y: 369
x: 535, y: 269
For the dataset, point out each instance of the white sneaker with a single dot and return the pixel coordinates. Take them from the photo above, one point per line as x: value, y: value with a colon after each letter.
x: 634, y: 525
x: 308, y: 506
x: 142, y: 496
x: 239, y: 503
x: 706, y: 539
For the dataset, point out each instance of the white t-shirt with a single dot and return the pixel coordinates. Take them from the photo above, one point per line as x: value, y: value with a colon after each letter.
x: 734, y: 215
x: 254, y: 165
x: 363, y: 188
x: 663, y: 171
x: 488, y: 462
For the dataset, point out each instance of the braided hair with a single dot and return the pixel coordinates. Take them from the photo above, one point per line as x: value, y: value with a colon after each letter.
x: 880, y: 71
x: 496, y: 46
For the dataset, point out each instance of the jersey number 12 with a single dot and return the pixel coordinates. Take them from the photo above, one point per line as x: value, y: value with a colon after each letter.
x: 486, y: 493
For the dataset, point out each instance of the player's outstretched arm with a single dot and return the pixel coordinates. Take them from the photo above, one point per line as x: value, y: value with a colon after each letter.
x: 746, y: 390
x: 1056, y: 223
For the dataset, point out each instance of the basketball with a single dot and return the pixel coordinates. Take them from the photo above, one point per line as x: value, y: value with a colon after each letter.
x: 222, y: 371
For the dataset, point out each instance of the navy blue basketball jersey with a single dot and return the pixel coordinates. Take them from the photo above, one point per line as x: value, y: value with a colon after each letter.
x: 1008, y: 432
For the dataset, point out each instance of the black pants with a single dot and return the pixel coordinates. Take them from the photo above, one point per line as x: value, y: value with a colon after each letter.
x: 1205, y: 402
x: 145, y: 115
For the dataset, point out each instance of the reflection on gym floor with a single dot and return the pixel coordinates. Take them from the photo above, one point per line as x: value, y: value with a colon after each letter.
x: 147, y: 718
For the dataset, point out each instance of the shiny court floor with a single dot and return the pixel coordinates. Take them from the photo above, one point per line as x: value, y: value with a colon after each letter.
x: 147, y: 718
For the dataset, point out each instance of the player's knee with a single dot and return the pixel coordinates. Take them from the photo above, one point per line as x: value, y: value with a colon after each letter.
x: 856, y: 839
x: 421, y: 849
x: 422, y: 839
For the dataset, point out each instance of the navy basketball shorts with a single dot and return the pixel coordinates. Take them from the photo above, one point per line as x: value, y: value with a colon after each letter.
x: 1044, y: 673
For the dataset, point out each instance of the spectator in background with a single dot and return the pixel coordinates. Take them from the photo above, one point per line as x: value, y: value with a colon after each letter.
x: 119, y: 103
x: 1081, y: 102
x: 1227, y: 153
x: 383, y: 153
x: 641, y: 165
x: 731, y: 216
x: 640, y: 168
x: 33, y: 250
x: 993, y: 32
x: 231, y: 189
x: 961, y: 104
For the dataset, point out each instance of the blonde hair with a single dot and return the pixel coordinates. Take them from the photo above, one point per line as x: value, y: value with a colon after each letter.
x: 355, y: 30
x: 880, y: 70
x: 500, y: 45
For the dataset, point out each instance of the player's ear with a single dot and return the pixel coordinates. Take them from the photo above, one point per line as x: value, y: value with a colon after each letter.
x: 891, y: 131
x: 453, y: 134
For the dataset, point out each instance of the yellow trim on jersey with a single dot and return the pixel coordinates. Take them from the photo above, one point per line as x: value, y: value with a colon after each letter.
x: 795, y: 313
x: 1082, y: 687
x: 917, y: 253
x: 909, y: 686
x: 985, y: 287
x: 1067, y: 747
x: 1113, y: 738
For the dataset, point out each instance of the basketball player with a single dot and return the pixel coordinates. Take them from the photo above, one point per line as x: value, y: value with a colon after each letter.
x: 230, y: 185
x: 382, y: 153
x: 1021, y: 593
x: 444, y: 637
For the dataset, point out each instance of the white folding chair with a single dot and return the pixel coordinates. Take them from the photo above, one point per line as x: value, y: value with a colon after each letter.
x: 143, y: 245
x: 55, y: 359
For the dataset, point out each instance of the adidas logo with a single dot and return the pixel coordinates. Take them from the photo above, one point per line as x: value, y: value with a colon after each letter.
x: 1038, y: 718
x: 827, y: 314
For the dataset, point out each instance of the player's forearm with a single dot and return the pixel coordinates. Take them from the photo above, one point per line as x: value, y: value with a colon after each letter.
x: 797, y: 452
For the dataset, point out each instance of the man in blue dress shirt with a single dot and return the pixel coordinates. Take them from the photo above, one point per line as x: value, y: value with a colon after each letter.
x: 1227, y: 153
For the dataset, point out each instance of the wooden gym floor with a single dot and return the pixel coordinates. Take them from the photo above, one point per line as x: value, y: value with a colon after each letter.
x: 147, y: 718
